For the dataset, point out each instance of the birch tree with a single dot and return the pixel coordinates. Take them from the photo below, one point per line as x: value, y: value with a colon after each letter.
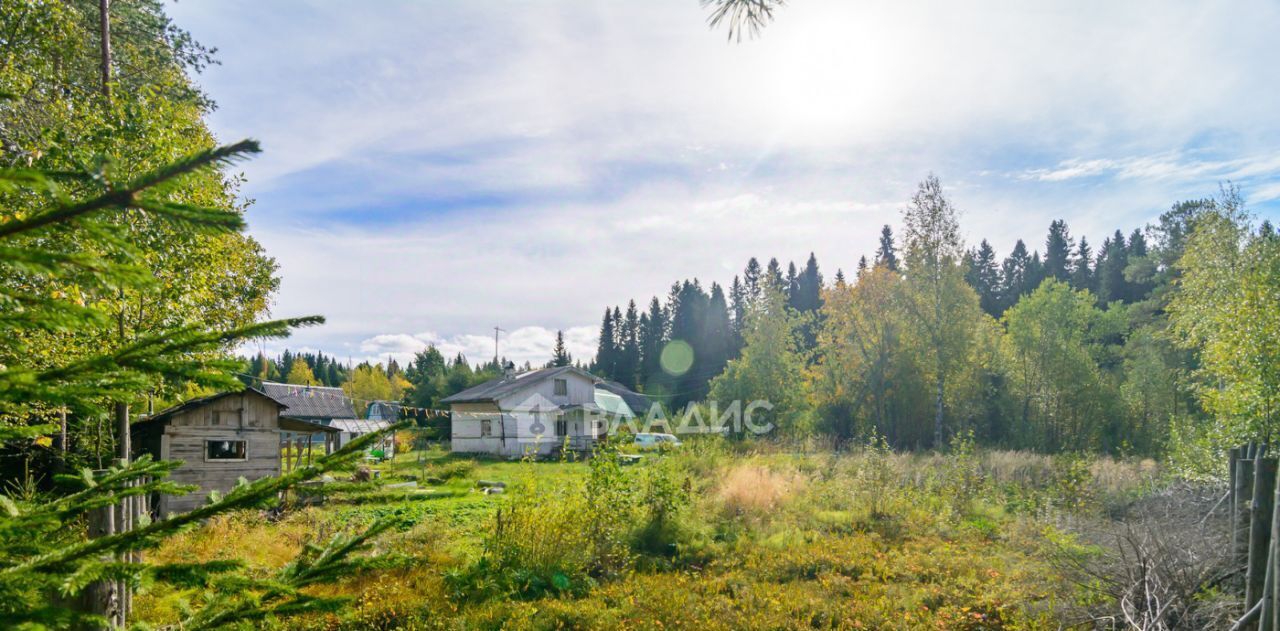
x: 940, y: 305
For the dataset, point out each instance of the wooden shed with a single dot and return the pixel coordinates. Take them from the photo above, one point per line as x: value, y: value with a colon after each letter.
x: 220, y: 439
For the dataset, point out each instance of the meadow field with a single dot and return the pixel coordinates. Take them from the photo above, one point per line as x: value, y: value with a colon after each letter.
x: 716, y: 535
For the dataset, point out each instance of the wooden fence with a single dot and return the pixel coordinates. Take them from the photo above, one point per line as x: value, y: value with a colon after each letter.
x: 1255, y: 531
x: 113, y: 599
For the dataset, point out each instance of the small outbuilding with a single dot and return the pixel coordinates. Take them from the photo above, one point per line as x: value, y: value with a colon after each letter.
x: 220, y: 439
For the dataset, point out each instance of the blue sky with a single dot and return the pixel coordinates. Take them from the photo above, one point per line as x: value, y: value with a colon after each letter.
x: 433, y: 169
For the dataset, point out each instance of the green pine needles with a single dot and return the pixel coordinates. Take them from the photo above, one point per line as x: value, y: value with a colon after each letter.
x: 46, y: 561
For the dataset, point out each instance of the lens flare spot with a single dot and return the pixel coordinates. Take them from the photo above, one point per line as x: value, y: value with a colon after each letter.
x: 676, y: 358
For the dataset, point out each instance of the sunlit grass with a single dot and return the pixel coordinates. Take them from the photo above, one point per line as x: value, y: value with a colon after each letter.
x: 769, y: 537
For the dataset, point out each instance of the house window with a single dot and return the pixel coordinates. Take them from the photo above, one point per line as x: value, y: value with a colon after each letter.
x: 562, y: 428
x: 225, y: 450
x: 486, y: 427
x: 562, y: 387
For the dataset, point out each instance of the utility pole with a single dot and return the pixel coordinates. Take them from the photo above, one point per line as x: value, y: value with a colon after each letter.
x: 496, y: 331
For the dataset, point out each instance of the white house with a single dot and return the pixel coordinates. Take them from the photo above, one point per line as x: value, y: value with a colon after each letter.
x: 534, y: 412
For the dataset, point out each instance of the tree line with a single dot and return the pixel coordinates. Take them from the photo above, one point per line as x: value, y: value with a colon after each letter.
x: 699, y: 329
x: 428, y: 377
x: 1052, y: 349
x: 1062, y: 351
x: 306, y: 368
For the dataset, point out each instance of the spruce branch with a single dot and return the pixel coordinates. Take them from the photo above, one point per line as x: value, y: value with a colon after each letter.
x: 129, y: 195
x: 750, y: 16
x: 243, y: 496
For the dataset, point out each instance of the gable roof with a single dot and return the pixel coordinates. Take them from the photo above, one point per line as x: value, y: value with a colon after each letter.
x: 495, y: 389
x: 190, y: 404
x: 309, y: 402
x: 638, y: 403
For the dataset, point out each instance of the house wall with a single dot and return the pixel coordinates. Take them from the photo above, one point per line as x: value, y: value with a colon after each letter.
x: 581, y: 390
x: 246, y: 417
x: 515, y: 419
x: 465, y: 435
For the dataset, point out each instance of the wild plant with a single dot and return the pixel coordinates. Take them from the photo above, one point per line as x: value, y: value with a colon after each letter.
x: 963, y: 478
x: 611, y: 502
x: 665, y: 497
x: 876, y: 475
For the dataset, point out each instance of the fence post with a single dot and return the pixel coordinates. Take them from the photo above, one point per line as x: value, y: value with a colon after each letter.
x: 103, y: 597
x: 1270, y: 620
x: 1243, y: 492
x: 1266, y: 622
x: 1232, y: 458
x: 1264, y: 487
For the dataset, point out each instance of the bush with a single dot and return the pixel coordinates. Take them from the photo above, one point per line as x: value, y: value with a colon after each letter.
x: 536, y: 548
x: 445, y: 471
x: 665, y: 531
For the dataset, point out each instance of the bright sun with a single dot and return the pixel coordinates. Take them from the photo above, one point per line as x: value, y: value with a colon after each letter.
x: 827, y: 70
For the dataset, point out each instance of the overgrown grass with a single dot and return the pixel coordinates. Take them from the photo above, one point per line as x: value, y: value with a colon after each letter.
x: 714, y: 535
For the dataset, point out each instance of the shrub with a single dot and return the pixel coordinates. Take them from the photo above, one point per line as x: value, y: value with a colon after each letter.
x: 611, y: 499
x: 535, y: 548
x: 445, y: 471
x: 665, y: 498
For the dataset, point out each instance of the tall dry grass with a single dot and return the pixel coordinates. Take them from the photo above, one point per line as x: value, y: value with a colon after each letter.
x: 755, y: 491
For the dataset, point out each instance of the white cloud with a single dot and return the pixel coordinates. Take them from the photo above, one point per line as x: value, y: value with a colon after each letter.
x: 1167, y: 166
x: 585, y: 83
x: 617, y: 147
x: 1265, y: 193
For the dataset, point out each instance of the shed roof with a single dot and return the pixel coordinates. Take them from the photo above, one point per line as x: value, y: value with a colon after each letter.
x: 191, y: 404
x: 495, y: 389
x: 358, y: 425
x: 305, y: 427
x: 310, y: 402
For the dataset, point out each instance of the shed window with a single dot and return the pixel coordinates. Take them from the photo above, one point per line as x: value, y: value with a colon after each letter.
x: 225, y: 450
x: 562, y: 387
x: 486, y: 427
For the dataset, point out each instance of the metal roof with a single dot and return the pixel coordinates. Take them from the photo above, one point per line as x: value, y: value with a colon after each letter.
x: 612, y: 404
x: 305, y: 427
x: 638, y: 403
x: 384, y: 410
x: 310, y: 402
x: 495, y: 389
x: 359, y: 425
